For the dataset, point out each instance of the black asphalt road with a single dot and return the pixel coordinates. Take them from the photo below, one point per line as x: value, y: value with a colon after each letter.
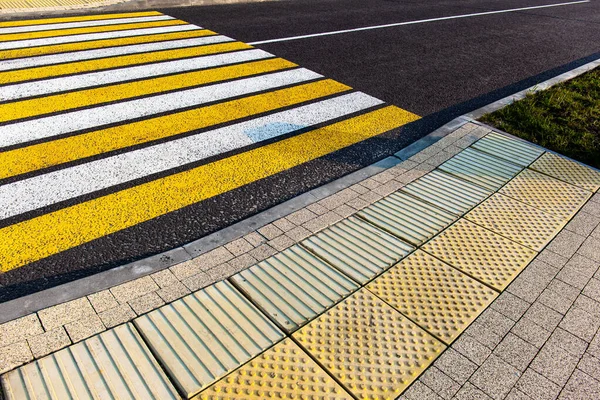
x: 438, y: 70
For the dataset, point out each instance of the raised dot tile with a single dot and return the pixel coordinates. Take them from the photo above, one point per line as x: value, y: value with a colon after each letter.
x: 568, y: 171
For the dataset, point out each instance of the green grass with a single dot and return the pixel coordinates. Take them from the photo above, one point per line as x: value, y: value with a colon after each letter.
x: 564, y: 118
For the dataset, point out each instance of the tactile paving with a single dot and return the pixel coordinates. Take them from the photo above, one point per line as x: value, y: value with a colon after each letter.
x: 282, y: 372
x: 481, y: 253
x: 113, y: 365
x: 203, y: 336
x: 407, y: 217
x: 568, y: 171
x: 372, y: 349
x: 357, y: 248
x: 447, y: 192
x: 434, y: 295
x: 546, y: 193
x: 293, y: 287
x: 518, y: 221
x: 480, y: 168
x: 510, y: 149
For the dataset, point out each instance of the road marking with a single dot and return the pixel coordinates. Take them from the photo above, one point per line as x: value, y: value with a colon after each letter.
x: 31, y: 62
x: 420, y: 21
x: 84, y: 24
x: 61, y: 185
x: 85, y: 98
x: 78, y: 31
x: 78, y: 18
x: 114, y: 62
x: 72, y: 148
x: 40, y: 237
x: 79, y: 42
x: 22, y: 132
x: 82, y: 81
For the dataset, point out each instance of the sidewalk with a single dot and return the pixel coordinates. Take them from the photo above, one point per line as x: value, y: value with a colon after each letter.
x: 468, y: 270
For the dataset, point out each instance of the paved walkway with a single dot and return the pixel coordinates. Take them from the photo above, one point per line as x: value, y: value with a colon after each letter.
x: 467, y: 271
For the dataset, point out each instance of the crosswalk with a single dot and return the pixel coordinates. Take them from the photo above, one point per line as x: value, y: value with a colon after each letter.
x: 108, y: 121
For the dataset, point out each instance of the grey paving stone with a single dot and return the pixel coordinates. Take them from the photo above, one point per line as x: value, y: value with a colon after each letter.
x: 537, y: 386
x: 281, y: 243
x: 526, y: 290
x: 531, y: 332
x: 578, y: 271
x: 48, y: 342
x: 555, y: 301
x: 590, y: 365
x: 539, y: 271
x: 255, y: 239
x: 483, y: 335
x: 146, y: 303
x: 472, y: 349
x: 565, y: 290
x: 510, y: 305
x: 556, y: 260
x: 470, y: 392
x: 84, y: 328
x: 64, y: 313
x: 318, y: 208
x: 13, y: 355
x: 516, y: 394
x: 583, y: 223
x: 580, y: 323
x: 300, y: 217
x: 516, y: 351
x: 298, y: 234
x: 439, y: 382
x: 270, y: 231
x: 419, y: 391
x: 566, y: 243
x: 554, y: 363
x: 164, y: 278
x: 262, y: 252
x: 455, y: 365
x: 102, y: 301
x: 239, y: 246
x: 588, y: 305
x: 173, y: 292
x: 581, y: 386
x: 590, y: 249
x: 594, y: 346
x: 117, y: 316
x: 197, y: 282
x: 495, y: 377
x: 592, y: 207
x: 567, y: 341
x: 592, y: 289
x: 19, y: 329
x: 242, y: 262
x: 496, y: 322
x: 543, y: 316
x: 284, y: 224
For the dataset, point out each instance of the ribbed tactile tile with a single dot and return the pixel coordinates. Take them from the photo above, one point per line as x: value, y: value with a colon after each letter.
x: 568, y: 171
x: 481, y: 253
x: 293, y: 286
x: 447, y: 192
x: 434, y: 295
x: 480, y: 168
x: 282, y: 372
x: 113, y: 365
x: 202, y: 337
x: 546, y: 193
x: 516, y: 151
x: 517, y: 221
x: 372, y: 349
x: 407, y: 217
x: 357, y: 248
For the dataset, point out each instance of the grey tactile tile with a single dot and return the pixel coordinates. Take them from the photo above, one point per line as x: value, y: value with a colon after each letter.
x: 495, y: 377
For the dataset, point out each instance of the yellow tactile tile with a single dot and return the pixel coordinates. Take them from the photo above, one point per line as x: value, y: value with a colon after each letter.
x: 283, y: 372
x: 434, y: 295
x: 481, y: 253
x: 518, y: 221
x: 568, y: 171
x: 372, y: 349
x: 546, y: 193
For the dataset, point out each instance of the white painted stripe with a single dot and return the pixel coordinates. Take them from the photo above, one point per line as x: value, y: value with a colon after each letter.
x: 69, y: 25
x: 109, y: 52
x: 40, y: 128
x: 101, y: 78
x: 18, y: 44
x: 82, y: 179
x: 420, y: 21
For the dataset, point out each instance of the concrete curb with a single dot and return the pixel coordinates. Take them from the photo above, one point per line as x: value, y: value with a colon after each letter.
x: 70, y: 291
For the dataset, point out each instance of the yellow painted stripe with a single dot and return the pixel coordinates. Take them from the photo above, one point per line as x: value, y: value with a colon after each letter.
x: 92, y: 29
x: 98, y: 44
x: 40, y: 237
x: 115, y: 62
x: 78, y: 19
x: 105, y: 94
x: 43, y: 155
